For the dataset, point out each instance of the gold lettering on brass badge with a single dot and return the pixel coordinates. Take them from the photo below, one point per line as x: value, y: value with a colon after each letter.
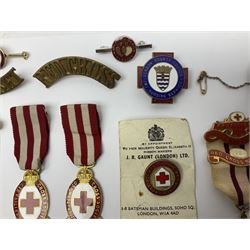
x: 9, y: 81
x: 54, y: 70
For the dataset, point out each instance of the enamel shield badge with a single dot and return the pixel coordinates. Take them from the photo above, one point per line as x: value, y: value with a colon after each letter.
x: 162, y: 77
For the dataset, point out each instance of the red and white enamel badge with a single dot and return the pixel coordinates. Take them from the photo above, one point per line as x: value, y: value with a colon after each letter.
x: 123, y: 49
x: 31, y: 200
x: 162, y: 177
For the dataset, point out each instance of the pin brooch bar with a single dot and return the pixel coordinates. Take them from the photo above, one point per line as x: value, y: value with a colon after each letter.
x: 4, y: 56
x: 103, y: 50
x: 140, y: 45
x: 24, y: 55
x: 143, y: 45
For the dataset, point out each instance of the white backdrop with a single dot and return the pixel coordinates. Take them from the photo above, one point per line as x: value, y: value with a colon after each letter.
x: 224, y: 54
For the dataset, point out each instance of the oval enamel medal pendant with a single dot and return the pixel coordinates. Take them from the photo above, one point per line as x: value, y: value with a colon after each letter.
x: 84, y: 198
x: 162, y: 177
x: 31, y: 199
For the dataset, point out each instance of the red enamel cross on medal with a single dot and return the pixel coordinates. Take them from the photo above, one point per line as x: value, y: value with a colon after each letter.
x: 31, y: 134
x: 83, y: 143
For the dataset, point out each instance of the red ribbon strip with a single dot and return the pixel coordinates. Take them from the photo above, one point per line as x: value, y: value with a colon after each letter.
x: 31, y: 135
x: 82, y: 133
x: 235, y: 179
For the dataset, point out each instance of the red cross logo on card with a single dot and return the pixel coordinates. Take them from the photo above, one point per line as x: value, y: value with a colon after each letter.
x: 162, y: 178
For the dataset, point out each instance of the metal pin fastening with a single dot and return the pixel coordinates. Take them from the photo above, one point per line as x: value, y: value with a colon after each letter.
x: 143, y: 45
x: 202, y: 80
x: 4, y: 56
x: 24, y: 55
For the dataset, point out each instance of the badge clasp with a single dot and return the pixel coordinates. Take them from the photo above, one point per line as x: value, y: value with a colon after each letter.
x: 85, y: 174
x: 203, y: 85
x: 31, y: 177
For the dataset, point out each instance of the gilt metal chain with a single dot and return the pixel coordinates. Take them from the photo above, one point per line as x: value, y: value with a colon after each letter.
x: 204, y: 76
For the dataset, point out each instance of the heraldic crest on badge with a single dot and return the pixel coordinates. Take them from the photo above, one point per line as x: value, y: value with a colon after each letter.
x: 163, y: 76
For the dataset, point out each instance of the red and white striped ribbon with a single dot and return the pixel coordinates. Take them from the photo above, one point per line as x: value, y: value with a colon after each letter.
x: 31, y: 135
x: 82, y: 133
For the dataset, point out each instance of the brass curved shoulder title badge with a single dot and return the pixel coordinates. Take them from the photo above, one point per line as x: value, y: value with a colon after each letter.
x: 54, y: 70
x: 31, y: 199
x: 9, y: 81
x: 162, y: 177
x: 84, y: 197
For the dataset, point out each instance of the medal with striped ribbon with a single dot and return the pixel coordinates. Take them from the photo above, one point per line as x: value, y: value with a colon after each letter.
x: 83, y: 145
x: 31, y: 136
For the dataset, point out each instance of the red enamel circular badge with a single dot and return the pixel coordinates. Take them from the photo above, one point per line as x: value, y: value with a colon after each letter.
x: 162, y: 177
x: 123, y: 49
